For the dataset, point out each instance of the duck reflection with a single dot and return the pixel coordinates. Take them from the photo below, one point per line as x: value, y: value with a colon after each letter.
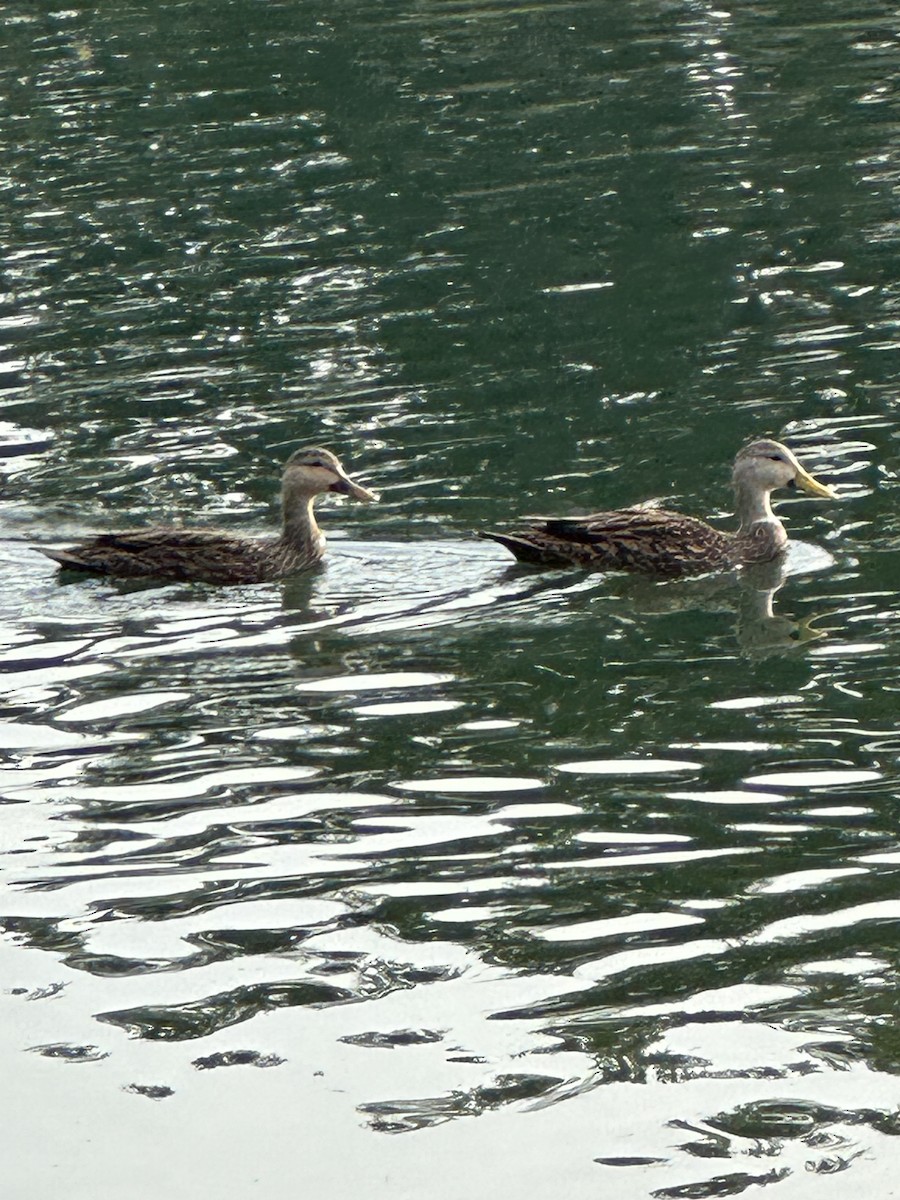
x: 749, y: 593
x: 416, y: 586
x: 760, y: 630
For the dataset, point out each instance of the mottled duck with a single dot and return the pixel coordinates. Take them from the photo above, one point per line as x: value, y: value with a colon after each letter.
x: 655, y: 541
x: 213, y: 556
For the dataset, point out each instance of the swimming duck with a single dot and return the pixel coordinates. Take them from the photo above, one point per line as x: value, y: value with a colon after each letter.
x: 654, y: 541
x: 212, y: 556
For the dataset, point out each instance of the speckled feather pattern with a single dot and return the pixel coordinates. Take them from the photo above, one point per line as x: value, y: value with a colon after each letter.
x: 649, y: 540
x: 208, y: 556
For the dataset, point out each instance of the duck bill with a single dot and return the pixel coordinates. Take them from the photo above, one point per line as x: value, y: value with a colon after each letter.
x: 809, y: 484
x: 346, y: 487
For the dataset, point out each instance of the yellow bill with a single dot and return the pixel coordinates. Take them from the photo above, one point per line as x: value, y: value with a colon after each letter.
x: 809, y: 484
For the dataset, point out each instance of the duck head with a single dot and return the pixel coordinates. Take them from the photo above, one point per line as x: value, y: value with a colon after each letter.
x: 314, y: 470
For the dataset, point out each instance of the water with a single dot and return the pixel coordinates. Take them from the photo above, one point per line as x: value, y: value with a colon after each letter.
x: 422, y: 871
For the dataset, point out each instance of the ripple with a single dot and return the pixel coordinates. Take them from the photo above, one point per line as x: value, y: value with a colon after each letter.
x: 630, y: 839
x: 466, y: 915
x: 17, y: 443
x: 617, y: 927
x: 660, y: 858
x: 845, y: 966
x: 808, y: 925
x: 176, y: 937
x: 731, y: 797
x: 377, y: 682
x: 796, y: 881
x: 488, y: 725
x: 751, y: 702
x: 628, y: 766
x: 739, y: 998
x: 70, y: 1053
x: 272, y: 811
x: 838, y: 649
x: 564, y: 289
x: 473, y: 784
x: 408, y: 708
x: 180, y: 787
x: 626, y: 961
x: 812, y: 779
x: 119, y: 706
x: 839, y: 810
x: 425, y: 888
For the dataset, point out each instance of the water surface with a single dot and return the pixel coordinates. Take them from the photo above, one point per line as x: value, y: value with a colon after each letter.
x: 423, y: 871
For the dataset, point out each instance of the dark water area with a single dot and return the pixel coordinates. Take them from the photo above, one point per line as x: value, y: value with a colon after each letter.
x: 419, y: 873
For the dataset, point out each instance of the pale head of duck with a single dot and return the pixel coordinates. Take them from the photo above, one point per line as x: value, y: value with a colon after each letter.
x: 307, y: 474
x: 313, y: 470
x: 759, y: 469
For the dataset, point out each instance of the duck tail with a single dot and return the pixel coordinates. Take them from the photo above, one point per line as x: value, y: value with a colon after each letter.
x: 66, y: 559
x: 521, y: 545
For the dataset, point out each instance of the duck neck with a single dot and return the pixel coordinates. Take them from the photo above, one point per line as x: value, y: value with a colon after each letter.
x: 761, y: 535
x: 300, y: 530
x: 752, y: 506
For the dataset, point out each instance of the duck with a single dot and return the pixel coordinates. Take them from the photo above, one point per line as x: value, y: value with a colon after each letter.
x: 214, y: 556
x: 654, y: 541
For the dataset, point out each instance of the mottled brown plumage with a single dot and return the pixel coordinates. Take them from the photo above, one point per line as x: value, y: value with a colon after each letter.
x: 658, y: 542
x: 213, y: 556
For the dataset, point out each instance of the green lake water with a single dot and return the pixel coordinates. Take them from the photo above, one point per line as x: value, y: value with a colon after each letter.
x: 421, y: 874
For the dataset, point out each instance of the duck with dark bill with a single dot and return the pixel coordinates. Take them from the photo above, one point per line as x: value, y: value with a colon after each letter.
x: 213, y: 556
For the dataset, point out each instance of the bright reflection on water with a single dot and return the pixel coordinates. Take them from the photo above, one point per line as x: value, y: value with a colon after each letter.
x: 301, y: 879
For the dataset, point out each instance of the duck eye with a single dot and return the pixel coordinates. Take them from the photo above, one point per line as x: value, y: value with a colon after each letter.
x: 774, y: 458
